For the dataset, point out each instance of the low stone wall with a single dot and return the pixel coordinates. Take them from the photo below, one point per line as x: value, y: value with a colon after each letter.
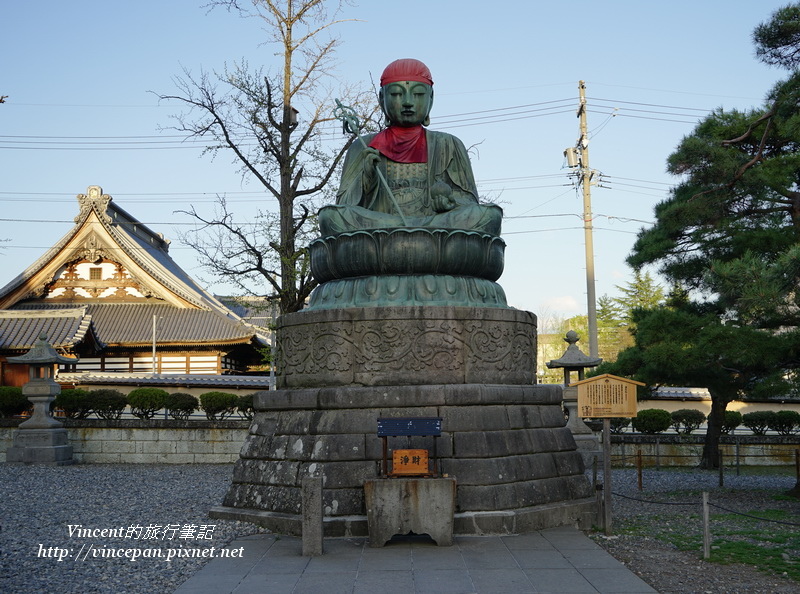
x: 685, y: 450
x: 147, y: 442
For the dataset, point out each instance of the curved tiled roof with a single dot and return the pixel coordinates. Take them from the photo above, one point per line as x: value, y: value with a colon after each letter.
x: 19, y: 329
x: 150, y: 251
x: 132, y: 324
x: 255, y: 382
x: 185, y: 312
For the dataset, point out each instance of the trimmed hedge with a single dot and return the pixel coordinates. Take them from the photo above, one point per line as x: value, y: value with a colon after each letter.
x: 76, y: 404
x: 244, y: 405
x: 12, y: 402
x: 759, y: 421
x: 733, y: 418
x: 146, y: 402
x: 619, y: 424
x: 786, y: 422
x: 652, y: 421
x: 218, y: 405
x: 687, y: 420
x: 180, y: 405
x: 108, y: 404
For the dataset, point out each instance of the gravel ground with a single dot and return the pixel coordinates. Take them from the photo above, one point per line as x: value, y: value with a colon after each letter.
x: 39, y: 504
x: 668, y: 569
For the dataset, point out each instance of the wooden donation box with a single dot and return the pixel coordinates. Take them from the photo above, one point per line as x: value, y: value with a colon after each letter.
x: 410, y: 497
x: 409, y: 462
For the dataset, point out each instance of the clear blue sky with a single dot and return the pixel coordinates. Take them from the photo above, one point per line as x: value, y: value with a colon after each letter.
x: 75, y: 71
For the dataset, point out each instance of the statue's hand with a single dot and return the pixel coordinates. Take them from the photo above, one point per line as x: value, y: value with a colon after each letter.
x: 441, y: 194
x: 371, y: 160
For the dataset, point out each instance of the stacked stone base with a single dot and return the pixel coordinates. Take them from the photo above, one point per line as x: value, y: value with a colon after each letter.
x: 515, y: 462
x: 41, y: 446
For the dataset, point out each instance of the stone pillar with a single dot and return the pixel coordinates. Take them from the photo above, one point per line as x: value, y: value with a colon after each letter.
x: 312, y: 516
x: 588, y: 441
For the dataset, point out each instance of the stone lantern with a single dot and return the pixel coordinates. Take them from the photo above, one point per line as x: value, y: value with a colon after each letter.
x: 41, y: 439
x: 574, y: 359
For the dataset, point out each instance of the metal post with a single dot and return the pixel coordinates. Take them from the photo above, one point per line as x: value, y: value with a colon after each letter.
x: 272, y: 357
x: 639, y: 467
x: 797, y: 465
x: 155, y: 365
x: 658, y: 453
x: 721, y: 472
x: 706, y: 528
x: 607, y: 476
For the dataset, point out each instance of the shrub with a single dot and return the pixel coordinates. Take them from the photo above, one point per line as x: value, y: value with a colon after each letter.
x: 108, y: 404
x: 218, y: 405
x: 687, y: 420
x: 244, y: 405
x: 180, y: 405
x: 146, y: 402
x: 759, y: 421
x: 76, y: 404
x: 785, y: 422
x: 733, y: 418
x: 12, y: 402
x: 618, y: 424
x: 652, y: 421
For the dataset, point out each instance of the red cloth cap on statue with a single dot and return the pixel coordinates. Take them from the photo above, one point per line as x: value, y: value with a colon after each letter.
x: 406, y: 69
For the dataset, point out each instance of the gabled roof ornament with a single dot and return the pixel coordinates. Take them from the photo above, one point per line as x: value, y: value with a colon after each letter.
x: 94, y: 199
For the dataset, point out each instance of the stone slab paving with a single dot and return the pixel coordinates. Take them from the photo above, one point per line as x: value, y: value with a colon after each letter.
x: 554, y: 560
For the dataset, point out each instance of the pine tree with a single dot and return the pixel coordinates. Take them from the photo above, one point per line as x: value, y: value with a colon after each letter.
x: 728, y: 237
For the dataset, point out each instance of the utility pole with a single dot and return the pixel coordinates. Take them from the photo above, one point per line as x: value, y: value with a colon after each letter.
x: 578, y: 157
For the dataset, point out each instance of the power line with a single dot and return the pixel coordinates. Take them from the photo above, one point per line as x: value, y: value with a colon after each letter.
x: 457, y: 120
x: 625, y: 115
x: 615, y: 101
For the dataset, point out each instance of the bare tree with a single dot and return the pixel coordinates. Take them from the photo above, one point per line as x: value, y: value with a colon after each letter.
x: 273, y: 123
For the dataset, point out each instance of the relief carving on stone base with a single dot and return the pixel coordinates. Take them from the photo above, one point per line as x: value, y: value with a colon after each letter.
x: 427, y: 346
x: 316, y: 348
x: 503, y: 347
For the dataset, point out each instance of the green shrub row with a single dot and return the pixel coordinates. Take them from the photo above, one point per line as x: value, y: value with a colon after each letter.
x: 784, y: 422
x: 12, y: 402
x: 144, y: 403
x: 686, y: 420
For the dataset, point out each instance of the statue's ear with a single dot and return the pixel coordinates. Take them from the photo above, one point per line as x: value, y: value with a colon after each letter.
x: 427, y: 120
x: 386, y: 121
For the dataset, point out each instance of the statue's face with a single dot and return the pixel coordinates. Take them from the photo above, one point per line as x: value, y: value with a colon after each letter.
x: 407, y: 103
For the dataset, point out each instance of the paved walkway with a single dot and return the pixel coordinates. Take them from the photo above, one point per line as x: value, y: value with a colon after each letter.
x: 555, y: 560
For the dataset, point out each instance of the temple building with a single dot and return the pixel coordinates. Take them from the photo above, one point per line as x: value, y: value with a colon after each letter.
x: 109, y: 292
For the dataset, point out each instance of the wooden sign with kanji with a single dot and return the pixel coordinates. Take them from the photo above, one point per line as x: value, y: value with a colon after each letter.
x: 606, y: 396
x: 410, y: 463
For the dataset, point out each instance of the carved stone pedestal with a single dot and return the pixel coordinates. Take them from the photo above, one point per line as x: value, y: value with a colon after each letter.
x: 398, y: 346
x: 503, y: 439
x: 41, y: 446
